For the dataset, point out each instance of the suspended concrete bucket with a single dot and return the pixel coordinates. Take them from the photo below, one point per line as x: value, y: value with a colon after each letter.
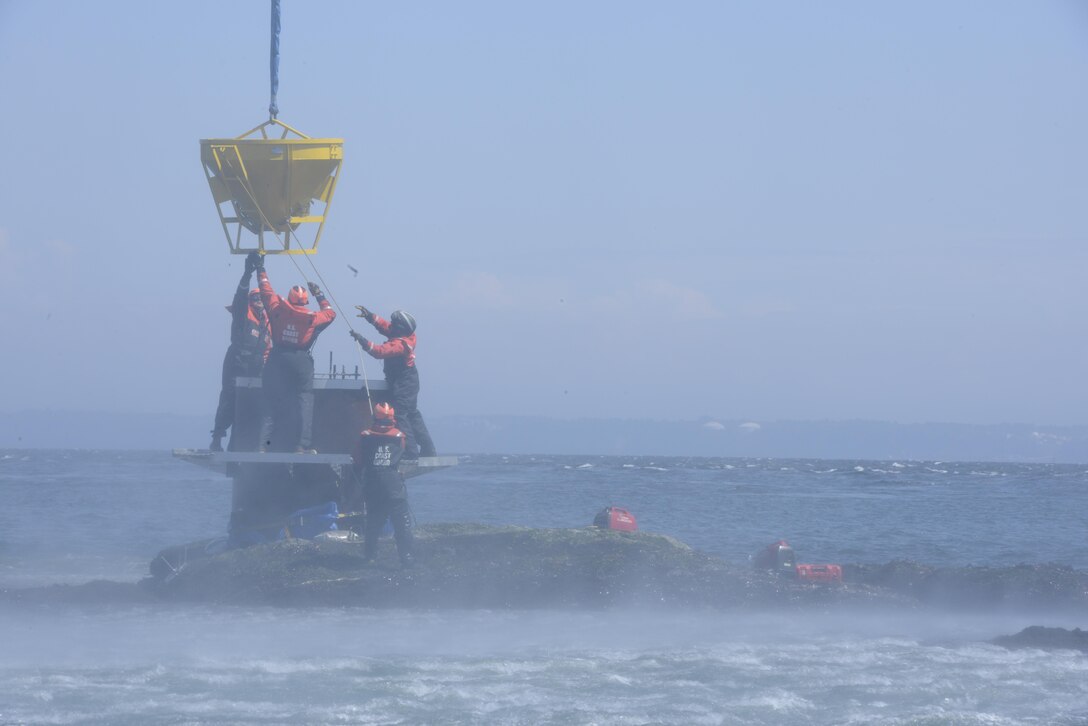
x: 273, y: 186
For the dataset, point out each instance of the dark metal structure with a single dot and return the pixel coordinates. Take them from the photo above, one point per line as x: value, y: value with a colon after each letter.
x: 268, y: 486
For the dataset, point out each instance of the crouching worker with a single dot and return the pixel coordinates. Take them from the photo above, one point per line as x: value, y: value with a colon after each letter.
x: 377, y: 459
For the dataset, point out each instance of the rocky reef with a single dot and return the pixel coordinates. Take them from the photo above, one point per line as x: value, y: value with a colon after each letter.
x: 477, y: 566
x: 1019, y: 586
x: 1037, y: 636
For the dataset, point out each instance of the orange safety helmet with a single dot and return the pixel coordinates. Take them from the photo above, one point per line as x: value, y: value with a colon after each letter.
x: 255, y: 297
x: 298, y: 296
x: 383, y: 414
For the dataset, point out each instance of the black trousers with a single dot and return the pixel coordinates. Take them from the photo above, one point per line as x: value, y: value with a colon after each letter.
x: 237, y: 362
x: 288, y: 382
x: 405, y: 390
x: 381, y: 504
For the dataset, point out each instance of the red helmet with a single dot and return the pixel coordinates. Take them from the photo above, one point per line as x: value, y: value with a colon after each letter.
x: 255, y: 297
x: 383, y: 414
x: 298, y: 296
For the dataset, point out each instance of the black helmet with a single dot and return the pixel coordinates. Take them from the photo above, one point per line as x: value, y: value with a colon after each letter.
x: 402, y: 322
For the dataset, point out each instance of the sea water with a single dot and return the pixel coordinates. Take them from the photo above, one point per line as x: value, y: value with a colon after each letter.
x: 69, y: 517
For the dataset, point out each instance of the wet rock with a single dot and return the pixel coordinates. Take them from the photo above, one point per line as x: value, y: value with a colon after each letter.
x: 1037, y: 636
x: 1020, y: 586
x: 475, y: 566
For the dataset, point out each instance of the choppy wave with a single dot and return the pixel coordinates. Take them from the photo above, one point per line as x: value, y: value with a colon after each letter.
x: 74, y: 516
x: 614, y: 668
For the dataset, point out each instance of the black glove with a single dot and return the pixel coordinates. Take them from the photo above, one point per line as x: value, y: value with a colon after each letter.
x: 260, y: 261
x: 251, y: 262
x: 364, y: 313
x: 361, y: 340
x: 314, y: 289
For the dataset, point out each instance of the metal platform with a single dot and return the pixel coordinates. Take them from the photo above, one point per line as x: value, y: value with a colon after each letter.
x: 341, y: 382
x: 223, y: 461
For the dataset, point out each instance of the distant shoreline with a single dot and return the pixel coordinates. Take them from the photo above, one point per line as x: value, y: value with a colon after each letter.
x: 871, y: 440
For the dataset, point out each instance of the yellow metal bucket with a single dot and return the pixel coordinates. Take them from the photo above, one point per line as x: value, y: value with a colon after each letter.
x: 272, y: 185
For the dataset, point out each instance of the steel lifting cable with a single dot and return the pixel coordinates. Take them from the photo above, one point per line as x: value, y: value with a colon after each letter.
x: 317, y: 273
x: 273, y: 111
x: 274, y: 60
x: 328, y: 290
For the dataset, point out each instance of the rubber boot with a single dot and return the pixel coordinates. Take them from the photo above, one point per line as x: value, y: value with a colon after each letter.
x: 402, y: 533
x: 217, y: 442
x: 370, y: 540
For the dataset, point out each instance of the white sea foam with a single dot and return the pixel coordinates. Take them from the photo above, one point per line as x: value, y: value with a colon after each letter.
x: 616, y: 667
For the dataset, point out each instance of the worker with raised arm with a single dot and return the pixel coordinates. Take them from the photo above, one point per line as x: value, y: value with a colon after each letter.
x: 288, y: 377
x: 398, y: 356
x: 250, y: 342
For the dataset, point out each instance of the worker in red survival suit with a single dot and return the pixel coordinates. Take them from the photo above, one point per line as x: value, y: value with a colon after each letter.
x: 398, y: 355
x: 250, y: 341
x: 376, y: 461
x: 288, y: 377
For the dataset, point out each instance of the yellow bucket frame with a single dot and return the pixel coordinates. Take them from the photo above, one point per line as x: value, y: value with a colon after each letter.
x: 271, y: 184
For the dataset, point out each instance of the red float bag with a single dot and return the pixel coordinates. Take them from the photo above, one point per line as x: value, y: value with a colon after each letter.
x: 616, y: 518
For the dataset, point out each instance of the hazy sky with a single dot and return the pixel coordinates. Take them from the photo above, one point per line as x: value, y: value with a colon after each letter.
x: 786, y: 210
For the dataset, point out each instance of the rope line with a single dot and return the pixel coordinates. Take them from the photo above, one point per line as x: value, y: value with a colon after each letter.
x: 283, y: 244
x: 362, y: 360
